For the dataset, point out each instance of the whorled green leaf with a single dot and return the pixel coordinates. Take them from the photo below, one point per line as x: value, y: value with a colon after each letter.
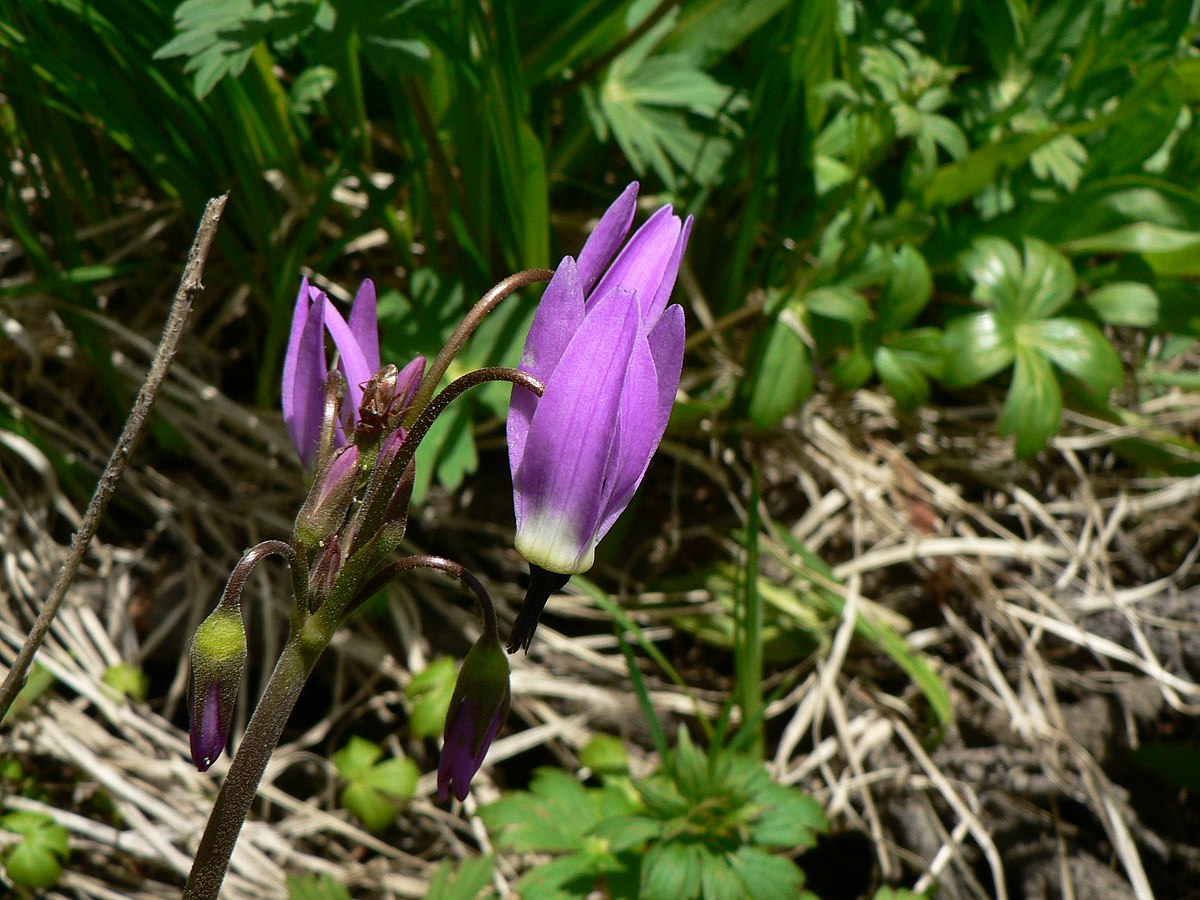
x: 1048, y: 280
x: 1078, y: 347
x: 903, y: 379
x: 976, y: 347
x: 1125, y: 303
x: 1033, y: 410
x: 37, y: 861
x: 907, y: 292
x: 554, y: 815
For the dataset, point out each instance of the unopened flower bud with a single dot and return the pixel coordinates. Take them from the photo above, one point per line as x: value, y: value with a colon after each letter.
x: 218, y: 658
x: 324, y: 571
x: 325, y: 509
x: 478, y: 708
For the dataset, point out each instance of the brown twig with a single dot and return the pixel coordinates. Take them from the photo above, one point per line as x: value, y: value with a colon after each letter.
x: 168, y: 346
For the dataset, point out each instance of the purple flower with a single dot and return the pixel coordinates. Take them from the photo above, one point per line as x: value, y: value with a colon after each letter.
x: 609, y: 351
x: 305, y: 369
x: 477, y: 710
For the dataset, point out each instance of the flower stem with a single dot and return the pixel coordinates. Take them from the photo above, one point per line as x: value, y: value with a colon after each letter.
x: 241, y: 784
x: 465, y: 329
x: 487, y: 611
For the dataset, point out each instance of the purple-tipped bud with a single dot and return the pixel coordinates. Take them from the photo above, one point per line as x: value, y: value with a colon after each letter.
x: 218, y: 657
x: 325, y: 509
x: 477, y: 710
x: 610, y: 358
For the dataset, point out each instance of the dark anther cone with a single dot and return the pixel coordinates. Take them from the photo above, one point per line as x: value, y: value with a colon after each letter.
x: 541, y: 585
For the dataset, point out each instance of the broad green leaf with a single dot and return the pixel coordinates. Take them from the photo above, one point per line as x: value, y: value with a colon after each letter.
x: 717, y: 881
x: 962, y: 179
x: 356, y: 758
x: 1138, y: 237
x: 907, y: 293
x: 921, y: 347
x: 396, y: 777
x: 1078, y: 347
x: 627, y: 832
x: 36, y: 861
x: 374, y: 809
x: 976, y: 348
x: 429, y: 694
x: 1048, y: 280
x: 839, y: 304
x: 549, y: 880
x: 853, y: 368
x: 1033, y: 411
x: 779, y: 373
x: 126, y: 681
x: 1125, y: 303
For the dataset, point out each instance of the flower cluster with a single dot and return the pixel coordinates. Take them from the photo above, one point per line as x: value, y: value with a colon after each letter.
x: 590, y: 405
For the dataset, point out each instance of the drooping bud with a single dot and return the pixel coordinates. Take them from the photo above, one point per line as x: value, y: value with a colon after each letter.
x: 218, y: 658
x: 324, y: 510
x: 478, y: 708
x: 386, y: 397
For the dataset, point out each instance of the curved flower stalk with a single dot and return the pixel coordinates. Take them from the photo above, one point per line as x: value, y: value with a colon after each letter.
x: 305, y: 368
x: 609, y: 351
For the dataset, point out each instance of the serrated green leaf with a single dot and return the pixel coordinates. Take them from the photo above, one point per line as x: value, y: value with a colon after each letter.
x: 374, y: 809
x: 429, y: 694
x: 548, y: 881
x: 907, y: 292
x: 628, y: 832
x: 605, y: 754
x: 467, y: 882
x: 790, y: 818
x: 1033, y: 410
x: 671, y: 870
x: 717, y: 881
x: 316, y: 887
x: 976, y: 347
x: 1078, y: 347
x: 765, y: 876
x: 552, y: 816
x: 1125, y: 303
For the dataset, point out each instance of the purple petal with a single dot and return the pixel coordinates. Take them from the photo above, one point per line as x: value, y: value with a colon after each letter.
x: 292, y: 356
x: 364, y: 323
x: 670, y: 273
x: 607, y: 236
x: 559, y: 484
x: 558, y: 317
x: 646, y: 413
x: 206, y: 738
x: 640, y: 267
x: 304, y: 383
x: 352, y: 361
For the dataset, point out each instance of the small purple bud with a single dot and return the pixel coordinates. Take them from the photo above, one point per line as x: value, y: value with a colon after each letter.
x: 218, y: 656
x: 477, y: 711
